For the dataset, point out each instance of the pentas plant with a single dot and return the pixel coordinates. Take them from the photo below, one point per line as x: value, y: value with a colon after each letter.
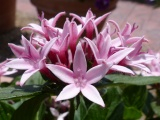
x: 79, y: 72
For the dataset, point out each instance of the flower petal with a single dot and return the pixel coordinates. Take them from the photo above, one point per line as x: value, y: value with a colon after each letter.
x: 141, y: 66
x: 54, y: 112
x: 27, y: 74
x: 101, y: 18
x: 63, y: 73
x: 94, y: 48
x: 47, y: 47
x: 62, y: 116
x: 19, y: 64
x: 91, y: 93
x: 17, y: 50
x: 79, y: 62
x: 122, y: 69
x: 68, y: 92
x: 36, y: 28
x: 118, y: 56
x: 97, y: 73
x: 30, y: 49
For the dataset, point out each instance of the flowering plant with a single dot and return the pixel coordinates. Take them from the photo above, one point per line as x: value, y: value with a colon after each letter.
x: 80, y: 73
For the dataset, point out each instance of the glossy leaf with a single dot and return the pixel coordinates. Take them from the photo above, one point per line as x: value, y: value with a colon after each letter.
x: 135, y: 96
x: 6, y: 111
x: 28, y: 110
x: 131, y: 113
x: 41, y: 112
x: 81, y: 111
x: 112, y: 99
x: 147, y: 109
x: 19, y: 92
x: 117, y: 114
x: 134, y: 80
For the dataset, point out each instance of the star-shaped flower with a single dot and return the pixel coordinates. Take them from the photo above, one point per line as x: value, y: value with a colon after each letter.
x: 29, y: 58
x: 80, y: 79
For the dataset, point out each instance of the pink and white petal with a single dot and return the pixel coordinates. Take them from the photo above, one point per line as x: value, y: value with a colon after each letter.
x: 54, y: 112
x: 127, y: 30
x: 116, y: 42
x: 68, y: 92
x: 63, y: 73
x: 135, y: 39
x: 101, y: 18
x: 138, y: 46
x: 94, y: 48
x: 105, y: 46
x: 10, y: 72
x: 91, y: 93
x: 17, y: 50
x: 122, y: 69
x: 79, y: 61
x: 36, y: 28
x: 115, y: 24
x: 55, y: 19
x: 62, y: 116
x: 30, y: 49
x: 27, y: 74
x: 19, y: 64
x: 77, y: 17
x: 120, y: 55
x: 142, y: 58
x: 141, y: 66
x: 96, y: 73
x: 46, y: 48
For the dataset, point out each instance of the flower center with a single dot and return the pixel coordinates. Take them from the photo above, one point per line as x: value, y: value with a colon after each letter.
x: 80, y: 82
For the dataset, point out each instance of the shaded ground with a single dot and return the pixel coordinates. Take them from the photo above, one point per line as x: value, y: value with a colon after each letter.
x: 13, y: 36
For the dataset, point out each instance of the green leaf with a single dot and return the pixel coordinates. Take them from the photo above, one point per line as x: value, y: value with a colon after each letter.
x: 112, y: 98
x: 135, y: 96
x: 134, y: 80
x: 156, y: 108
x: 19, y: 92
x: 131, y: 113
x: 28, y: 110
x: 6, y: 111
x: 41, y: 112
x: 117, y: 114
x: 81, y: 111
x: 147, y: 109
x: 35, y: 79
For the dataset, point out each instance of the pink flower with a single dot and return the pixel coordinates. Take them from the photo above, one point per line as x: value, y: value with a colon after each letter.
x: 56, y: 113
x: 84, y: 20
x: 101, y: 52
x: 4, y: 70
x: 46, y: 25
x: 29, y: 58
x: 80, y: 79
x: 153, y: 65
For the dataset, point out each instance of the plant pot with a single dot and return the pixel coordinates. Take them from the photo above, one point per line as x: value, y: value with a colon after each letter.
x: 7, y: 15
x: 52, y: 7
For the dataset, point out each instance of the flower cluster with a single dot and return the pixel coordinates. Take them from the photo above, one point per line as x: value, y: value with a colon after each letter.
x: 79, y: 55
